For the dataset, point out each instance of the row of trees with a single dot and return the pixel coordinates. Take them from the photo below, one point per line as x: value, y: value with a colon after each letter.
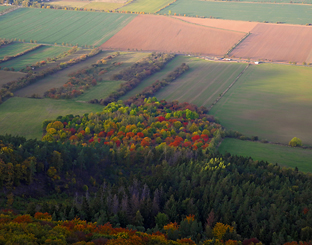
x: 43, y: 229
x: 4, y: 41
x: 80, y: 81
x: 6, y: 58
x: 32, y: 77
x: 157, y: 85
x: 135, y: 74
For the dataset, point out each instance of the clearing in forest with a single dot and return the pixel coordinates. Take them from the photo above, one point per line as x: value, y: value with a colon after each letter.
x: 60, y: 78
x: 280, y: 43
x: 284, y: 155
x: 271, y: 101
x: 246, y: 11
x: 62, y: 26
x: 15, y: 48
x: 24, y: 116
x: 172, y: 35
x: 147, y: 6
x: 32, y: 57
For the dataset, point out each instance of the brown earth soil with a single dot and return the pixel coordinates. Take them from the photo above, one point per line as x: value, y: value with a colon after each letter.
x: 9, y: 76
x: 278, y: 43
x: 160, y: 33
x: 234, y: 25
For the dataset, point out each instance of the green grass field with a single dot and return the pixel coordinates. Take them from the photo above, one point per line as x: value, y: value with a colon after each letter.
x: 60, y: 78
x: 58, y: 26
x: 24, y: 117
x: 288, y: 13
x: 15, y: 48
x: 271, y: 101
x: 8, y: 76
x: 4, y: 7
x: 147, y: 6
x: 100, y: 91
x: 34, y: 56
x: 202, y: 83
x: 286, y: 156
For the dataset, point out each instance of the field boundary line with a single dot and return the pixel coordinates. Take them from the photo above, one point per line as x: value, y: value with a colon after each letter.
x: 21, y: 53
x: 10, y: 10
x: 227, y: 89
x: 213, y: 27
x: 238, y: 43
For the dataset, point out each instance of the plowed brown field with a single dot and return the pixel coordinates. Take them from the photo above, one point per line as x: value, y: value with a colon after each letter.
x: 234, y: 25
x: 160, y: 33
x: 279, y: 43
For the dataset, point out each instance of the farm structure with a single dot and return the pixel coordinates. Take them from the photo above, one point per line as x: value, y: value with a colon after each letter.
x: 160, y: 33
x: 271, y: 101
x: 279, y: 43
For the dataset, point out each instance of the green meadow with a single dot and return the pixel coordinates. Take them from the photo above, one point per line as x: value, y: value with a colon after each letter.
x: 271, y: 101
x: 34, y: 56
x: 62, y: 26
x: 287, y: 13
x: 24, y: 116
x: 283, y: 155
x: 15, y: 48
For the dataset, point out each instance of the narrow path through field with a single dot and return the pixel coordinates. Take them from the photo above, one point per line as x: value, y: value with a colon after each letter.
x: 239, y: 75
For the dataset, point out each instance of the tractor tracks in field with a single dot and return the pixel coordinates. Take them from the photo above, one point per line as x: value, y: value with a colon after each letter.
x: 224, y: 92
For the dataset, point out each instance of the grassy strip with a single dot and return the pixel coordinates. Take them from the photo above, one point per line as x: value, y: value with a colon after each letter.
x: 157, y: 85
x: 30, y: 78
x: 79, y: 81
x: 284, y: 155
x: 7, y: 58
x: 135, y: 74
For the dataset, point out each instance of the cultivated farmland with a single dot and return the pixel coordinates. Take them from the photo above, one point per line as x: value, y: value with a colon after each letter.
x: 147, y: 6
x: 8, y: 76
x: 24, y: 116
x: 270, y: 101
x: 170, y: 66
x: 172, y: 35
x: 15, y: 48
x: 4, y: 7
x: 60, y: 78
x: 34, y: 56
x: 288, y: 13
x: 233, y: 25
x: 284, y: 155
x: 203, y: 83
x: 89, y: 4
x: 281, y: 43
x: 62, y: 26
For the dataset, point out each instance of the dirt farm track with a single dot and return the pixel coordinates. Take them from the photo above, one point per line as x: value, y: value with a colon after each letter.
x: 160, y: 33
x: 277, y: 42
